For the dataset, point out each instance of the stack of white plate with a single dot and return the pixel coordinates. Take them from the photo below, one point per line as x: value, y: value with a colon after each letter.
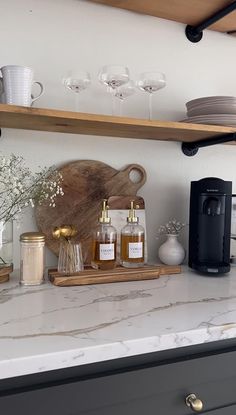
x: 217, y: 110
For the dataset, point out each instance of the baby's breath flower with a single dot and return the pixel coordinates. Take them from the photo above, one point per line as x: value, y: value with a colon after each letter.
x: 172, y: 227
x: 19, y: 187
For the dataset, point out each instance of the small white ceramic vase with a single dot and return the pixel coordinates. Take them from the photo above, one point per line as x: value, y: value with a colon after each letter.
x: 171, y: 251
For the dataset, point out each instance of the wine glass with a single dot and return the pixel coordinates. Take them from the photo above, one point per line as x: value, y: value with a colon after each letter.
x: 151, y: 82
x: 77, y: 81
x: 123, y: 92
x: 113, y: 76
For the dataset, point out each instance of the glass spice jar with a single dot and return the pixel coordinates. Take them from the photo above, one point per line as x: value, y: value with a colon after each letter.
x: 70, y: 259
x: 32, y: 258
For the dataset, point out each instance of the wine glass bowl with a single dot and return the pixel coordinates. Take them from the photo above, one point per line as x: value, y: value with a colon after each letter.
x: 77, y: 81
x: 125, y: 91
x: 151, y: 82
x: 113, y: 76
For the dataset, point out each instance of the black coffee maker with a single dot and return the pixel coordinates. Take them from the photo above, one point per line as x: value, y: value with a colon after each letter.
x: 210, y: 225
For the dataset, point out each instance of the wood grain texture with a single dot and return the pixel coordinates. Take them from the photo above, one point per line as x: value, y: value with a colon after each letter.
x: 169, y: 269
x: 123, y: 202
x: 119, y: 274
x: 39, y: 119
x: 190, y: 12
x: 85, y: 184
x: 5, y: 273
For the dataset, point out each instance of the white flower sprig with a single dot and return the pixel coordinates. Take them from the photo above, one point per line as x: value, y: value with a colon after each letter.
x: 19, y: 187
x: 173, y: 227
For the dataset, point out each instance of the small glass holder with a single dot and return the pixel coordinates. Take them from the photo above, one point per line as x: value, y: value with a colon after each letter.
x: 70, y: 259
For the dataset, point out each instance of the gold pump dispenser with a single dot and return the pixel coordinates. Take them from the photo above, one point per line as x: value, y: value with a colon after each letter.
x: 132, y: 218
x: 104, y: 218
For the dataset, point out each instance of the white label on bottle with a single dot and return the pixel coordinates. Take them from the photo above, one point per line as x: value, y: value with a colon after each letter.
x: 107, y: 252
x: 135, y: 249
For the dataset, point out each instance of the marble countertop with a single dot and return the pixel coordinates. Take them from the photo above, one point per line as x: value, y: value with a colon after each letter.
x: 46, y: 327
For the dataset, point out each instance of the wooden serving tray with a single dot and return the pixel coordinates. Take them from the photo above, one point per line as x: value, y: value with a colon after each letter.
x: 119, y: 274
x: 5, y: 273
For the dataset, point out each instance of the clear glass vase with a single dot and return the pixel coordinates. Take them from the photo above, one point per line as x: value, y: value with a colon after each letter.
x: 6, y: 250
x: 70, y: 259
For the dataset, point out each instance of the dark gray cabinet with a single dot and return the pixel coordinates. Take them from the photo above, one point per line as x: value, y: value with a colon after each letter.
x: 159, y: 387
x: 231, y: 410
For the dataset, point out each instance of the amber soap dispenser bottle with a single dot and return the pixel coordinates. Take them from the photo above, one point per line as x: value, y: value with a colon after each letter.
x: 132, y: 241
x: 104, y: 242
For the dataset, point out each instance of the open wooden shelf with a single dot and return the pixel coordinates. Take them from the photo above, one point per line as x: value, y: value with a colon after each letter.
x: 191, y: 12
x: 40, y: 119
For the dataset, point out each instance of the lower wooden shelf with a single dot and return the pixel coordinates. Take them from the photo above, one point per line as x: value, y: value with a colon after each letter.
x: 41, y: 119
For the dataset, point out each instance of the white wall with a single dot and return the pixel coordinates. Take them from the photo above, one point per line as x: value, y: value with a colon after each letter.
x: 54, y: 36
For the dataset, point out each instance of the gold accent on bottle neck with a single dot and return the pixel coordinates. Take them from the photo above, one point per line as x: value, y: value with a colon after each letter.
x: 104, y: 218
x: 132, y: 218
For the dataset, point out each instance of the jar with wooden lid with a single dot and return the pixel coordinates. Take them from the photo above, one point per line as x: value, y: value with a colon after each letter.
x: 32, y: 258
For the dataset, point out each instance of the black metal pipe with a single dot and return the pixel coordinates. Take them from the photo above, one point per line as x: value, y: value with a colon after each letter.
x: 216, y: 16
x: 225, y: 138
x: 194, y: 33
x: 190, y: 149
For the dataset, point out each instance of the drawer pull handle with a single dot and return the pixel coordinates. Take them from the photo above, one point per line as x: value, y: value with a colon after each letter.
x: 194, y: 403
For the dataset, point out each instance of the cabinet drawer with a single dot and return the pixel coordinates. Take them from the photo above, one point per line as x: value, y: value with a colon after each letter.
x: 158, y: 389
x: 231, y: 410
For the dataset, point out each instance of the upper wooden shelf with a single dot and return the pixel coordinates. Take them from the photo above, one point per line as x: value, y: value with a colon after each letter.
x: 191, y: 12
x: 12, y: 116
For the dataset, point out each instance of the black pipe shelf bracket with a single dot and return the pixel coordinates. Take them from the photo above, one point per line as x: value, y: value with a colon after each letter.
x: 195, y: 33
x: 190, y: 149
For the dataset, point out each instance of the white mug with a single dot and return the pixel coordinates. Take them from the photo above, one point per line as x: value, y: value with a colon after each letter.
x: 2, y: 97
x: 16, y: 85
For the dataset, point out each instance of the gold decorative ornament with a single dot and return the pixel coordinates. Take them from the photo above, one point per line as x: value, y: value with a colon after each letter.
x: 56, y: 233
x: 64, y: 231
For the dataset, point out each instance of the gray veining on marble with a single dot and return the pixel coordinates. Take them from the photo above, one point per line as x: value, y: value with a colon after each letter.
x: 46, y: 327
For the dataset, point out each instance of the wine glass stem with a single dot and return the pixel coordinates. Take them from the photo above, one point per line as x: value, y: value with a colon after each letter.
x: 76, y: 101
x: 150, y: 106
x: 121, y: 107
x: 113, y: 102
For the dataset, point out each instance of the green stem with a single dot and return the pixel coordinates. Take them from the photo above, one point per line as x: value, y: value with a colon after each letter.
x: 2, y: 260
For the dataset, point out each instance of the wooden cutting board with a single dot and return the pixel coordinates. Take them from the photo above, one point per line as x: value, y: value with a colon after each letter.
x: 85, y: 184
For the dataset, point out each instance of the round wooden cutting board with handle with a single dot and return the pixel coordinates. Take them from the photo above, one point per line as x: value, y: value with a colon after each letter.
x: 85, y: 184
